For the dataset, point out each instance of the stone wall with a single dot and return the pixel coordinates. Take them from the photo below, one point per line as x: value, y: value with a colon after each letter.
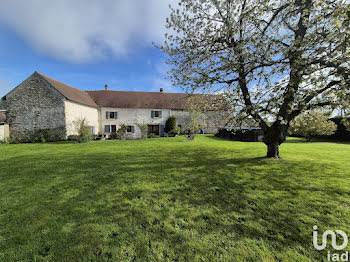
x: 2, y: 116
x: 75, y: 112
x: 32, y: 105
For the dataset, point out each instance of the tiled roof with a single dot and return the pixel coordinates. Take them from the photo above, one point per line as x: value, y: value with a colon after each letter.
x: 125, y: 99
x: 70, y: 92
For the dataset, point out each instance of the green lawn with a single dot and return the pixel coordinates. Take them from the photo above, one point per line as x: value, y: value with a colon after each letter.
x: 168, y: 199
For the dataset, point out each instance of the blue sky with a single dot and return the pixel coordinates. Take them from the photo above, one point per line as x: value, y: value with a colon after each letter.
x: 109, y: 42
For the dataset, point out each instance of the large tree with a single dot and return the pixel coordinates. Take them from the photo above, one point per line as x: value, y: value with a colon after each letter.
x: 274, y: 59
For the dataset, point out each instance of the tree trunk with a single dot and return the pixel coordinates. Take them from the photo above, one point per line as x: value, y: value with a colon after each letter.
x: 274, y: 136
x: 273, y: 150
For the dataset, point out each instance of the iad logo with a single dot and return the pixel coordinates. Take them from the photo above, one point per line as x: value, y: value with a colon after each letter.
x: 335, y: 256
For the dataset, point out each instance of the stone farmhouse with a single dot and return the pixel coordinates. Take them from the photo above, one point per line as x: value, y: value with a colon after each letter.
x: 41, y: 102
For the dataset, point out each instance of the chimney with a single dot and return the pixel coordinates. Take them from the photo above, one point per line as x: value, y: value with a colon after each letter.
x: 161, y: 90
x: 106, y: 87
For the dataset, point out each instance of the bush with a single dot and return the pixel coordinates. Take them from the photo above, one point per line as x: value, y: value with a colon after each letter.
x: 113, y: 136
x: 143, y: 129
x: 170, y: 124
x: 73, y: 138
x: 152, y: 135
x: 121, y: 133
x: 14, y: 140
x: 48, y: 135
x: 174, y: 132
x: 79, y: 139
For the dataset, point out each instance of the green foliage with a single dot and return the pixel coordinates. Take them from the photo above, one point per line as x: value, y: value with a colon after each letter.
x: 14, y: 140
x: 121, y: 132
x: 170, y: 125
x: 81, y: 127
x: 83, y: 131
x: 143, y: 128
x: 312, y: 124
x: 272, y: 60
x: 48, y: 135
x: 79, y: 139
x: 73, y: 138
x: 196, y: 108
x: 169, y: 200
x: 152, y: 135
x: 113, y: 136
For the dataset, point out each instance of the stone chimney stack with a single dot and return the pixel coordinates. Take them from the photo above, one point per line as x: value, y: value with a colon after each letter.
x: 161, y: 90
x: 106, y: 87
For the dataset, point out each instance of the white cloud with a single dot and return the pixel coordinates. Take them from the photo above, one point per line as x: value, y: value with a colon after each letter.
x: 85, y: 30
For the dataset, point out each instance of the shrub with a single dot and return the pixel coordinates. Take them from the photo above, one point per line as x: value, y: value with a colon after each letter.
x: 48, y: 135
x: 82, y: 130
x: 121, y: 133
x: 73, y: 138
x: 113, y: 136
x: 152, y: 135
x: 14, y: 140
x: 174, y: 132
x: 79, y: 139
x: 170, y: 124
x: 143, y: 129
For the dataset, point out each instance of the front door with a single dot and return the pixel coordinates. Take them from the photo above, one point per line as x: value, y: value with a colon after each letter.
x: 114, y: 128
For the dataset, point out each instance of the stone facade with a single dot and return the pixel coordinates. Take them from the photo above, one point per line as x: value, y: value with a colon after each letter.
x: 2, y: 116
x: 32, y: 105
x: 75, y: 111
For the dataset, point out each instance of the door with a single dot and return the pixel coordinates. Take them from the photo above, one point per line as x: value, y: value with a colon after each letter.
x: 113, y: 128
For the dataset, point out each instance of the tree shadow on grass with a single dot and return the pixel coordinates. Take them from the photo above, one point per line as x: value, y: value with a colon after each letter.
x: 174, y: 200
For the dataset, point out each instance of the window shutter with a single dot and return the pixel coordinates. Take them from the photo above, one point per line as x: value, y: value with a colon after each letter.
x: 132, y: 129
x: 93, y: 130
x: 152, y: 114
x: 161, y: 130
x: 115, y: 115
x: 160, y: 114
x: 107, y: 128
x: 107, y: 115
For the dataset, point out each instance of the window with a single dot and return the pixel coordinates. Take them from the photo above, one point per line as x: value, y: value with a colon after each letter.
x: 114, y: 128
x: 153, y: 129
x: 107, y: 128
x: 111, y: 115
x: 92, y: 130
x: 130, y: 129
x: 155, y: 114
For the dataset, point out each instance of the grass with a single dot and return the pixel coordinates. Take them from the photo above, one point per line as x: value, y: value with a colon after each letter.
x: 168, y: 199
